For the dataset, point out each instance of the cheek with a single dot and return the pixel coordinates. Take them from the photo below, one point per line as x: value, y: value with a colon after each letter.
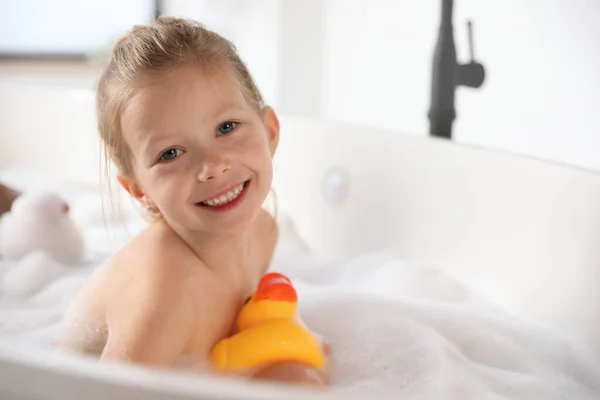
x: 259, y: 159
x: 255, y: 149
x: 165, y: 181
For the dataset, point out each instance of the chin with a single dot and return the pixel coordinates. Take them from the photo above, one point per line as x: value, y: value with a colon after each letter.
x: 227, y: 226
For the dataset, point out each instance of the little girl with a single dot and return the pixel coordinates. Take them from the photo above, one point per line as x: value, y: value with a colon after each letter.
x: 182, y: 120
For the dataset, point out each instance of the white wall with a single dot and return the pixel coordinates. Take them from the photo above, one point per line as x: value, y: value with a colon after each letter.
x: 541, y: 96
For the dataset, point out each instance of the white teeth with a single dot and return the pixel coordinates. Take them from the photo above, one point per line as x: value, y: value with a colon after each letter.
x: 225, y: 198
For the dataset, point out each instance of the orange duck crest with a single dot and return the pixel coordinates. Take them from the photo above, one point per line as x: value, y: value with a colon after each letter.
x: 277, y: 287
x: 274, y: 298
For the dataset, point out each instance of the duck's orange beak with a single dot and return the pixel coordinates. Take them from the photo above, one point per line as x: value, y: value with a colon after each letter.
x: 275, y: 287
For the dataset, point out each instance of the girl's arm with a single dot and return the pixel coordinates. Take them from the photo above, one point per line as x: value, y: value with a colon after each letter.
x: 152, y: 327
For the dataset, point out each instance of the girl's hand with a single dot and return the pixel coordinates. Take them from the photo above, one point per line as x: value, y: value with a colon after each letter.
x: 294, y: 372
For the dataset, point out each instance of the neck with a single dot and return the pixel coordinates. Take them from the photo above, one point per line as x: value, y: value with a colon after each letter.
x: 227, y: 254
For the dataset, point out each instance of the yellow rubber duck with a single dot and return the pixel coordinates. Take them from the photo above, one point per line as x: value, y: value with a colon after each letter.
x: 268, y: 331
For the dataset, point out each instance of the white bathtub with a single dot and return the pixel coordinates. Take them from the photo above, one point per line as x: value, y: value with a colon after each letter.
x: 523, y: 232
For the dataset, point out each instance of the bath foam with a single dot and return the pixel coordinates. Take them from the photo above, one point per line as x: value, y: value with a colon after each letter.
x: 396, y: 329
x: 399, y: 328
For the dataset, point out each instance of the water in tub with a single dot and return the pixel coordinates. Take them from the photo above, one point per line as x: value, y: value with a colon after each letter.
x: 395, y: 328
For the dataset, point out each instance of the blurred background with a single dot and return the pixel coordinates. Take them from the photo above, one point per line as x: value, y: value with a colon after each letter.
x: 367, y: 62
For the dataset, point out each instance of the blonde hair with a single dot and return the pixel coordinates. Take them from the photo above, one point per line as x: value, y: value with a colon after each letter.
x: 146, y: 52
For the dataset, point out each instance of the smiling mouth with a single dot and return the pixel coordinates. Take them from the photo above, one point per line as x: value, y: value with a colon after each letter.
x: 225, y: 198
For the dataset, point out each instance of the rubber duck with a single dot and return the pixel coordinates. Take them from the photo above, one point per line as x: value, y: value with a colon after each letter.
x: 268, y: 331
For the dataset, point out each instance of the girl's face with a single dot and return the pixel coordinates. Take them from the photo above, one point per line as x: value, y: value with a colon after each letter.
x: 201, y: 153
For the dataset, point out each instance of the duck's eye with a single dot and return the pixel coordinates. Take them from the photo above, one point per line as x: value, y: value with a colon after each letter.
x: 226, y: 127
x: 247, y: 300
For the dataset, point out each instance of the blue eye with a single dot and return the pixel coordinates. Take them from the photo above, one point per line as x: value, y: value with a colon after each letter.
x: 226, y: 127
x: 170, y: 154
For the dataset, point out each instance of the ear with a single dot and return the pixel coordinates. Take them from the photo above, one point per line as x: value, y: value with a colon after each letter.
x: 131, y: 187
x: 272, y: 125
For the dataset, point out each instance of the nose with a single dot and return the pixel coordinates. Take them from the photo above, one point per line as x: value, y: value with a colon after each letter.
x: 212, y: 167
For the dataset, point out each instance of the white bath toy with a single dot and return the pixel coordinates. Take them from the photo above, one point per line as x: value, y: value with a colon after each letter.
x: 40, y: 221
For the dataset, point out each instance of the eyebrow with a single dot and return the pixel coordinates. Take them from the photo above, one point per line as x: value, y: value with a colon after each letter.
x: 226, y: 108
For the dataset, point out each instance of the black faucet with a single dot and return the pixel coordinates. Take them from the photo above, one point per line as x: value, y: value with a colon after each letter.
x: 447, y: 75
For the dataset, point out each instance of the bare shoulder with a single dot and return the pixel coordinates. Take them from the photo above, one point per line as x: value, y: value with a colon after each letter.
x: 157, y: 263
x: 141, y: 280
x: 152, y: 315
x: 157, y: 253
